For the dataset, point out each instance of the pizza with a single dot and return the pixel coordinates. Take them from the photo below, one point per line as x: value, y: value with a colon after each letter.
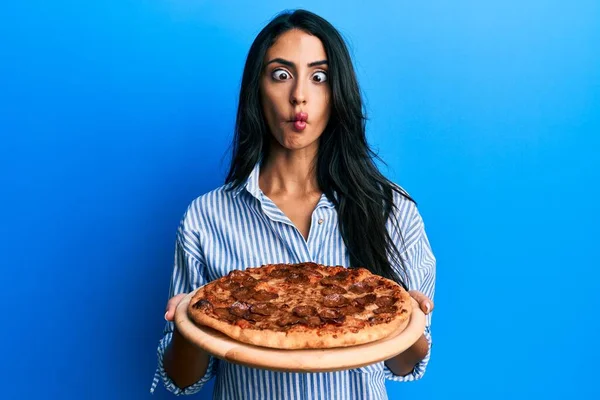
x: 302, y: 306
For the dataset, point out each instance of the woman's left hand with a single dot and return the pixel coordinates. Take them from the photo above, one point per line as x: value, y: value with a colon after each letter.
x: 425, y: 303
x: 404, y: 363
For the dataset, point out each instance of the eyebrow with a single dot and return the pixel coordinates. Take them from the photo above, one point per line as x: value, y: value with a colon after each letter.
x: 292, y: 65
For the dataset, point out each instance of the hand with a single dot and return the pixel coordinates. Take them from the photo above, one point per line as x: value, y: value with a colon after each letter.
x: 405, y: 362
x: 184, y: 362
x: 425, y: 303
x: 172, y: 305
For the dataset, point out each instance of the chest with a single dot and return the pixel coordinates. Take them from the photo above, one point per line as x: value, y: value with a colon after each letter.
x: 252, y: 233
x: 298, y: 210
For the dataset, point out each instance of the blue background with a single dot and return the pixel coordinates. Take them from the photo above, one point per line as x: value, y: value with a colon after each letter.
x: 114, y: 115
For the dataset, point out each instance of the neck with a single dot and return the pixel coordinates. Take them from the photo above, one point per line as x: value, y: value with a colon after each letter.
x: 289, y: 172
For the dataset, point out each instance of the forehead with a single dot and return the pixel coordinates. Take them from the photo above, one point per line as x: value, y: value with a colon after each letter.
x: 297, y: 46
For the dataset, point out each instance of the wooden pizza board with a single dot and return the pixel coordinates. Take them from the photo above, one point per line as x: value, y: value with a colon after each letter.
x: 310, y: 360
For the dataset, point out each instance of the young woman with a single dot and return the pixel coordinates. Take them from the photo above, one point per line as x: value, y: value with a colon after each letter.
x: 302, y: 187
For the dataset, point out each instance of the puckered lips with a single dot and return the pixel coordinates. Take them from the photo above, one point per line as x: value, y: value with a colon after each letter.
x: 299, y: 121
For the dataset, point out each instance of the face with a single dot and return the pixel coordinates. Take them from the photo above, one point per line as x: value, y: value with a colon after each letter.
x: 295, y: 90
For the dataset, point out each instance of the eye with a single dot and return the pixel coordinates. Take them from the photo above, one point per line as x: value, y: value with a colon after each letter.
x: 280, y: 75
x: 320, y: 76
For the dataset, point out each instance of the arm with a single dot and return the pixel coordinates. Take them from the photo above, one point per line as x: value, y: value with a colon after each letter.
x: 183, y: 368
x: 184, y: 363
x: 421, y: 269
x: 405, y: 362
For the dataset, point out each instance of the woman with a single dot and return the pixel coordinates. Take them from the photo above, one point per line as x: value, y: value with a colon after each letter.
x: 302, y: 187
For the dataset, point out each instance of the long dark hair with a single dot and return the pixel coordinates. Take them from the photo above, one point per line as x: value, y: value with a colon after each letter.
x: 345, y: 169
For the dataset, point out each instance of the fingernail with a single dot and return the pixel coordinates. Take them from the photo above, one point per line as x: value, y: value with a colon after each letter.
x: 166, y: 316
x: 427, y: 307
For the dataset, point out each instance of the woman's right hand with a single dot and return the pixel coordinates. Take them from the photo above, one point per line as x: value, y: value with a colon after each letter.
x: 172, y: 306
x: 184, y: 362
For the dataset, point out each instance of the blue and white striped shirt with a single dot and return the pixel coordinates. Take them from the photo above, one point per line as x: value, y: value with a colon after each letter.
x: 233, y: 229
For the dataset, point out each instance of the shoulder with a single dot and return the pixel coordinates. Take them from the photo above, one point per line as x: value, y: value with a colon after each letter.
x: 406, y: 209
x: 204, y: 207
x: 405, y: 221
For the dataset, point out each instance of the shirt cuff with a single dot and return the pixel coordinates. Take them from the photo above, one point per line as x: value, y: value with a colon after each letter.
x: 161, y: 374
x: 417, y: 372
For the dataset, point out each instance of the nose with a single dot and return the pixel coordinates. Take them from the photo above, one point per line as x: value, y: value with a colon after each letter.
x: 298, y: 95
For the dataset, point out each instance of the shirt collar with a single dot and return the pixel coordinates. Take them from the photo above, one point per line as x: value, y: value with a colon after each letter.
x: 252, y: 187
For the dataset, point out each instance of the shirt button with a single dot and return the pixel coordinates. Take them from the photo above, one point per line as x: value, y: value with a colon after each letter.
x: 320, y: 221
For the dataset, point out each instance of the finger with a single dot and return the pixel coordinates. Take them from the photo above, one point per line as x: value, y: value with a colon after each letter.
x: 425, y: 304
x: 172, y: 306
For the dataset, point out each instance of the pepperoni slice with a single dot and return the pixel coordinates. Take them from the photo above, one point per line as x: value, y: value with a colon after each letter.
x: 333, y: 289
x: 313, y: 321
x: 312, y: 271
x: 328, y: 313
x: 228, y: 285
x: 263, y: 309
x: 243, y: 294
x: 307, y: 265
x: 385, y: 310
x: 384, y: 301
x: 335, y: 300
x: 249, y: 281
x: 296, y: 277
x: 280, y: 272
x: 263, y: 295
x: 340, y: 276
x: 256, y: 317
x: 335, y: 279
x: 288, y: 320
x: 360, y: 288
x: 366, y: 299
x: 372, y: 281
x: 203, y: 305
x: 224, y: 314
x: 239, y: 309
x: 237, y: 276
x: 329, y: 280
x: 304, y: 311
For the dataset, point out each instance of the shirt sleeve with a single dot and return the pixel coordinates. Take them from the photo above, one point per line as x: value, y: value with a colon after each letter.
x: 420, y: 265
x: 189, y: 273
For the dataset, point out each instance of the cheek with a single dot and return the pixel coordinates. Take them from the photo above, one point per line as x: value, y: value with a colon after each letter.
x: 268, y: 107
x: 271, y: 101
x: 324, y: 106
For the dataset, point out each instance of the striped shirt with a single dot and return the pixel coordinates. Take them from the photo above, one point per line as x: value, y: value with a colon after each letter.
x: 229, y: 229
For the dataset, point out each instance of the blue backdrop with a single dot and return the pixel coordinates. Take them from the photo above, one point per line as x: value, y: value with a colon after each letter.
x: 114, y: 115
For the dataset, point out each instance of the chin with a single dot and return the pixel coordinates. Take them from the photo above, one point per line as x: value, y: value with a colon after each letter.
x: 296, y: 145
x: 295, y: 141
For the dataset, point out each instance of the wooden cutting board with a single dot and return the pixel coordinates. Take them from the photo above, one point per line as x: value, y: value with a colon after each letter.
x: 310, y: 360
